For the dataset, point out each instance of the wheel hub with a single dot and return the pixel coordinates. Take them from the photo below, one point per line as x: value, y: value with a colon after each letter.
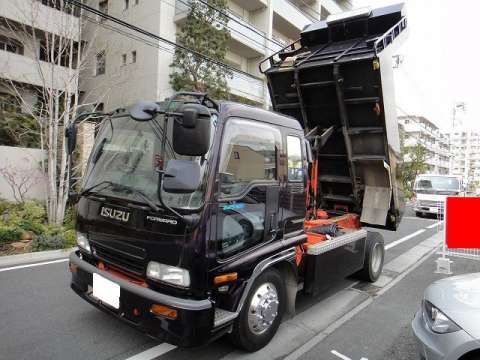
x: 263, y: 308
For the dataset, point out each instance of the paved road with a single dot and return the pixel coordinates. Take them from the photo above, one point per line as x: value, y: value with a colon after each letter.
x: 43, y: 319
x: 392, y: 313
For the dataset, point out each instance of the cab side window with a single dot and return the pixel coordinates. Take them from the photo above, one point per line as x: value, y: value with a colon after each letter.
x: 248, y: 155
x: 294, y: 152
x: 247, y: 169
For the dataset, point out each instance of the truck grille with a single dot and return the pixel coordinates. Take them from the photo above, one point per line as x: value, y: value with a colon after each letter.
x: 120, y: 259
x: 431, y: 203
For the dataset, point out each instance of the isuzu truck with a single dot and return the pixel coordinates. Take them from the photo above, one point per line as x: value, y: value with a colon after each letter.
x: 200, y: 218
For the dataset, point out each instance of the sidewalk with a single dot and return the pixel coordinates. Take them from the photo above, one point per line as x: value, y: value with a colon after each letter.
x: 20, y: 259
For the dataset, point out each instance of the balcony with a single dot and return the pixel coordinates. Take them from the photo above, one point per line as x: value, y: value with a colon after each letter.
x: 25, y: 70
x: 247, y: 86
x: 247, y: 40
x: 42, y: 17
x: 289, y: 18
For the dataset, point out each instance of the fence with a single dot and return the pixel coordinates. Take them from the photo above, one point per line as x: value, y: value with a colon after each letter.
x: 443, y: 262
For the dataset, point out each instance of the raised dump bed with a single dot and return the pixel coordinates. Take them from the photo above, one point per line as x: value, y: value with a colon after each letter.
x: 337, y: 80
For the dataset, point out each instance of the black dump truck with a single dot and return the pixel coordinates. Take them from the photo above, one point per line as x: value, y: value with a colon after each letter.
x: 200, y: 218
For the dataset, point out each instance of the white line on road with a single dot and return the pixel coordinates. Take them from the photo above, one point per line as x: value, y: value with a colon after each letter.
x: 33, y: 265
x: 417, y: 218
x: 405, y: 238
x: 153, y: 352
x: 434, y: 225
x: 341, y: 356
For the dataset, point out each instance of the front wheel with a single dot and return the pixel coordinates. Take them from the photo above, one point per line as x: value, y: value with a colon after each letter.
x: 374, y: 257
x: 261, y: 313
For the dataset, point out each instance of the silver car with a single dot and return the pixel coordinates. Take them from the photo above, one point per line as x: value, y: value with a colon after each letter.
x: 447, y: 326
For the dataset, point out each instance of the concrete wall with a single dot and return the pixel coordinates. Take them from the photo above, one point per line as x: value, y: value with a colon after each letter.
x: 25, y: 162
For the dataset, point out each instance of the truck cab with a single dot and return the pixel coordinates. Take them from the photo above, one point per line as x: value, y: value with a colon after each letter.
x: 432, y: 190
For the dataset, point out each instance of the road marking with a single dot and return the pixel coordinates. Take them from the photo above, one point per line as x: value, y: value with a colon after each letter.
x: 434, y: 225
x: 405, y: 238
x: 153, y: 352
x: 417, y: 218
x: 343, y: 357
x: 33, y: 265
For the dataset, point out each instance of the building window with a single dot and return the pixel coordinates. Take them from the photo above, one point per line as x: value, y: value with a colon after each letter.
x: 134, y: 57
x: 9, y: 103
x: 11, y: 45
x: 62, y: 6
x: 60, y: 56
x: 103, y: 7
x: 125, y: 4
x: 124, y: 59
x: 100, y: 63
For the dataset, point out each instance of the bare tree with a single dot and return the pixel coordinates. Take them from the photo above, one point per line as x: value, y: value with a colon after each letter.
x: 20, y: 180
x: 59, y: 57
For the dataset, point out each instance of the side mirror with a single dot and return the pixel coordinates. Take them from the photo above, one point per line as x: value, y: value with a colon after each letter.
x: 71, y: 135
x: 191, y: 135
x: 143, y: 110
x: 181, y: 176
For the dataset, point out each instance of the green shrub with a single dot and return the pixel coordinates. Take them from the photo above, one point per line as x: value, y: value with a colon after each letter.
x: 69, y: 220
x: 29, y: 225
x: 48, y: 242
x: 9, y: 234
x: 70, y: 238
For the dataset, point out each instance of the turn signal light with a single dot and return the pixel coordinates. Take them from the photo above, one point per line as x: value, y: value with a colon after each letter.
x: 221, y: 279
x: 163, y: 310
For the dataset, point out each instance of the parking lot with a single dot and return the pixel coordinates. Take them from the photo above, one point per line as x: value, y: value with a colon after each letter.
x: 43, y: 319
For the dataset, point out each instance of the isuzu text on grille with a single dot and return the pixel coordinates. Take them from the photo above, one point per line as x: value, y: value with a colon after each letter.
x: 115, y: 214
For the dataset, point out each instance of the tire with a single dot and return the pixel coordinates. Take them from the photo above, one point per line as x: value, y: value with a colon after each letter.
x: 244, y: 335
x: 374, y: 257
x: 418, y: 214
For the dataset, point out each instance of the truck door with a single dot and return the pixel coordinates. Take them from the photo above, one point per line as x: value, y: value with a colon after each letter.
x: 248, y: 193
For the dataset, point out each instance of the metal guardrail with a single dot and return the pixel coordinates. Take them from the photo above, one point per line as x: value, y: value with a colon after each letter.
x: 443, y: 262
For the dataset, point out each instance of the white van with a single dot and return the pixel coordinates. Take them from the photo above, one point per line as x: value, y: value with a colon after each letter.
x: 432, y: 190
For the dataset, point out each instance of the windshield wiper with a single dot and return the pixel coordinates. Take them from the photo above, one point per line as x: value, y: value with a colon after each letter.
x: 125, y: 188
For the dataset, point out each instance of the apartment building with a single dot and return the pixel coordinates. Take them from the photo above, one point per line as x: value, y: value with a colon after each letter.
x: 465, y: 149
x: 25, y: 65
x: 124, y: 70
x: 420, y: 130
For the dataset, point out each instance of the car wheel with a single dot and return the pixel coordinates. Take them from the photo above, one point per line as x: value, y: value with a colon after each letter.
x: 261, y: 313
x: 374, y: 257
x: 418, y: 214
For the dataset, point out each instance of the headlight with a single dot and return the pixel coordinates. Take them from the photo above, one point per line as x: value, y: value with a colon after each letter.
x: 437, y: 320
x: 82, y: 242
x: 169, y: 274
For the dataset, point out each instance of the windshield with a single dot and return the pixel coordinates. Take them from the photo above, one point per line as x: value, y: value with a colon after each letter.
x: 437, y: 183
x: 128, y: 153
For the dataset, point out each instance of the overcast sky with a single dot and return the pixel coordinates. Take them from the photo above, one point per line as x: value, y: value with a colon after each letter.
x: 441, y: 63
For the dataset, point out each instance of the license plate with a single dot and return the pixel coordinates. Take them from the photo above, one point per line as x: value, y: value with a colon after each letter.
x: 106, y: 291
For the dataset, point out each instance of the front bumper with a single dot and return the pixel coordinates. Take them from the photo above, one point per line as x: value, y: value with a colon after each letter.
x: 195, y: 318
x: 433, y: 346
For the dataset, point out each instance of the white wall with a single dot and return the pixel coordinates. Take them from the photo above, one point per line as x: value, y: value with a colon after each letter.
x: 25, y: 162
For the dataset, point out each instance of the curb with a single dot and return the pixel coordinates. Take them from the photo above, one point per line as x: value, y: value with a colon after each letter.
x: 33, y: 257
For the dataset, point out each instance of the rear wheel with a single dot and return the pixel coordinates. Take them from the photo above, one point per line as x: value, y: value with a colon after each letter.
x: 261, y: 313
x: 419, y: 214
x: 374, y: 257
